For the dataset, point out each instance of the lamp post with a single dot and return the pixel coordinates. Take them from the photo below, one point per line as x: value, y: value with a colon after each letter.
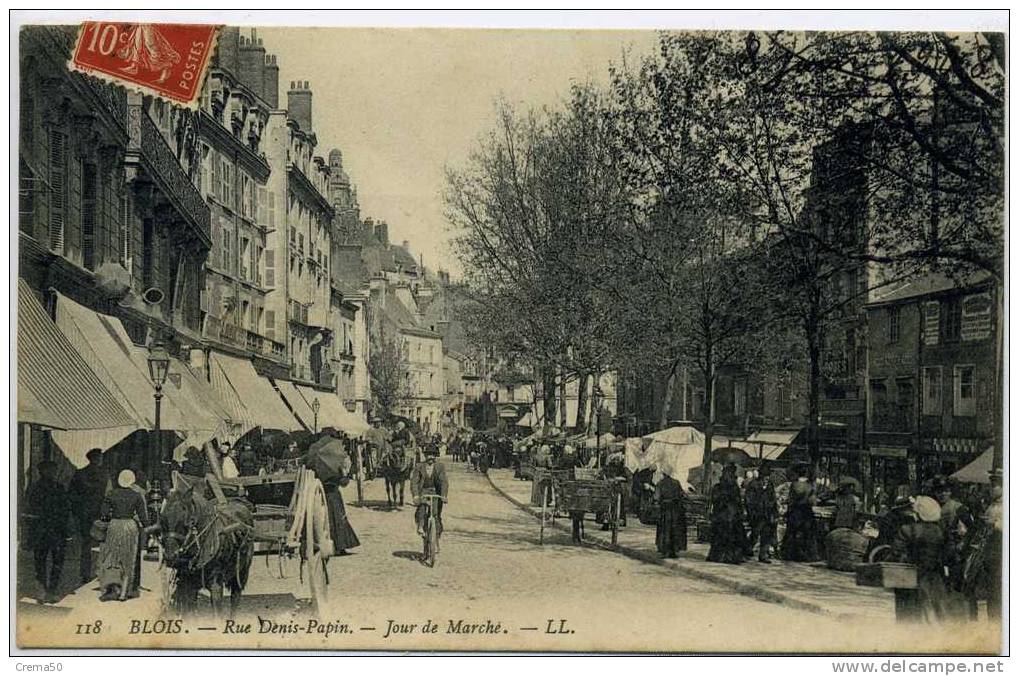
x: 315, y: 406
x: 159, y: 364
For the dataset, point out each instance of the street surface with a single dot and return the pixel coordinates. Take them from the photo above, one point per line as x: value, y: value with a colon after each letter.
x: 495, y: 588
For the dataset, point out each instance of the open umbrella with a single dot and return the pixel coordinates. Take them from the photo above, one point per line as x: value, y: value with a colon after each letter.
x: 730, y: 454
x: 329, y: 459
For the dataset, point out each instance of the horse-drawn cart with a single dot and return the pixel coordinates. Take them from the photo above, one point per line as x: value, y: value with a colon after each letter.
x: 292, y: 521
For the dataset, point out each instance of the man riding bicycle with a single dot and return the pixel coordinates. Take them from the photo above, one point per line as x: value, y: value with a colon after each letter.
x: 429, y: 478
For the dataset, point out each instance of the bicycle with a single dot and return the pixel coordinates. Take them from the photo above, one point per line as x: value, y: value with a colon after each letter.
x: 430, y: 544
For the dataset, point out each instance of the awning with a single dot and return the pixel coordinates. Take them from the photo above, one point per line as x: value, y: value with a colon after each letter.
x: 332, y: 412
x: 240, y: 385
x: 301, y: 408
x: 978, y: 471
x: 187, y: 404
x: 56, y: 387
x: 767, y: 444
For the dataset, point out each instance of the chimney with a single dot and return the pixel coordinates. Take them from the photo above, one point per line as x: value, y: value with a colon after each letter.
x: 299, y: 105
x: 382, y: 232
x: 252, y: 64
x: 227, y: 48
x: 271, y: 82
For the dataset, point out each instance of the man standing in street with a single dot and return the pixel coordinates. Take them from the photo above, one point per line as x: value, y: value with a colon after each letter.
x: 762, y: 513
x: 47, y: 508
x: 87, y: 491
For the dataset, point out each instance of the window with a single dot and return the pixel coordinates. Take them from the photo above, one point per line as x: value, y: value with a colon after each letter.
x: 245, y: 258
x: 125, y: 233
x: 88, y: 215
x: 951, y: 320
x: 965, y: 400
x: 932, y: 390
x: 893, y: 324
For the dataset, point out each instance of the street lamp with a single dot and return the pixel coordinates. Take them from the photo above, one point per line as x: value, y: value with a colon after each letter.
x: 159, y: 364
x: 315, y: 406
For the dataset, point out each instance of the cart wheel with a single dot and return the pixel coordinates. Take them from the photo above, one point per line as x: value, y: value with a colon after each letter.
x: 316, y: 528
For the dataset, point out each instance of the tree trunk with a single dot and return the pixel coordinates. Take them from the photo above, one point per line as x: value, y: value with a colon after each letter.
x: 582, y: 398
x: 813, y: 331
x: 548, y: 392
x: 670, y: 385
x: 709, y: 428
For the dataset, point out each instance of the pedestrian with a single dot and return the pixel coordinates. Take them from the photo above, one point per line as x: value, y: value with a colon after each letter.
x: 846, y: 505
x: 670, y: 533
x: 800, y: 540
x: 88, y: 488
x: 982, y: 567
x: 762, y: 514
x: 47, y: 509
x: 728, y: 535
x: 922, y: 543
x: 340, y: 530
x: 119, y: 555
x: 567, y: 461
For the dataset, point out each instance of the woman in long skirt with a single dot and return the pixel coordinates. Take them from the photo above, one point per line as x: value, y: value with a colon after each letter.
x: 800, y: 540
x: 728, y: 534
x: 342, y: 532
x: 119, y: 562
x: 670, y: 535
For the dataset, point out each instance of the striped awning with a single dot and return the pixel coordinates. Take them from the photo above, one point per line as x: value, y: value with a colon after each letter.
x: 250, y: 395
x: 332, y: 412
x: 301, y: 407
x: 188, y: 403
x: 56, y: 387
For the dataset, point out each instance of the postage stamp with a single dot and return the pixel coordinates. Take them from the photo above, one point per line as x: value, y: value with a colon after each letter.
x: 167, y: 60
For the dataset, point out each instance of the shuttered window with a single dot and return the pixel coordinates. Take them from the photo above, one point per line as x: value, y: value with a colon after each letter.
x: 261, y: 214
x: 125, y: 233
x: 272, y: 211
x: 217, y: 187
x: 58, y: 189
x: 270, y: 324
x: 88, y: 216
x: 270, y: 268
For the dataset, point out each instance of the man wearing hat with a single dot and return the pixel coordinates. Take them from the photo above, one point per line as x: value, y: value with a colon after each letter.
x: 429, y: 478
x: 87, y: 491
x: 922, y: 543
x: 762, y: 513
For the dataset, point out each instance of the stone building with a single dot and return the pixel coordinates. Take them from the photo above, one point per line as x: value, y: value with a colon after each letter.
x: 932, y: 374
x: 301, y: 244
x: 240, y: 93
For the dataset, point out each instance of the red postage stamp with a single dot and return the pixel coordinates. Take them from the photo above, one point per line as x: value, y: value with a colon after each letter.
x: 167, y: 60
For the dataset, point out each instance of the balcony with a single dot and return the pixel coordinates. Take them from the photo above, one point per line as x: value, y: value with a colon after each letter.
x: 148, y: 154
x: 230, y: 334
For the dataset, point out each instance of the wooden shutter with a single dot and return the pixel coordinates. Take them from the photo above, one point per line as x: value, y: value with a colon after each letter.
x: 270, y: 324
x: 261, y: 211
x: 216, y: 188
x: 88, y: 216
x: 272, y: 211
x: 270, y: 268
x: 58, y: 189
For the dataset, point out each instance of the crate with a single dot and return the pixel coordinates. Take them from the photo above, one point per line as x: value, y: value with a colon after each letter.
x: 588, y: 496
x: 886, y: 575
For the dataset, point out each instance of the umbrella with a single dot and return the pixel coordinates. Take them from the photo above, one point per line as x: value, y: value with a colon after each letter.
x: 377, y: 437
x: 329, y: 459
x: 730, y: 454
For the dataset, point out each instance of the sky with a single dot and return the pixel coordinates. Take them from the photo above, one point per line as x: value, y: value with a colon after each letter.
x: 402, y: 104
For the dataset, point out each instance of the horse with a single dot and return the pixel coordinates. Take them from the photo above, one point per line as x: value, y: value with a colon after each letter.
x: 206, y: 543
x: 397, y: 464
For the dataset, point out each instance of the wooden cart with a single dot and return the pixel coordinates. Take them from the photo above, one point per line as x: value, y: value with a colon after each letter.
x: 292, y: 523
x: 562, y: 493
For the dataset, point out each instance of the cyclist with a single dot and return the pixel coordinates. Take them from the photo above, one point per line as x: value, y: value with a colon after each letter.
x: 429, y: 478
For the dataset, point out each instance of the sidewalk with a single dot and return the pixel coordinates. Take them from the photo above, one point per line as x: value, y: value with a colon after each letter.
x: 810, y: 587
